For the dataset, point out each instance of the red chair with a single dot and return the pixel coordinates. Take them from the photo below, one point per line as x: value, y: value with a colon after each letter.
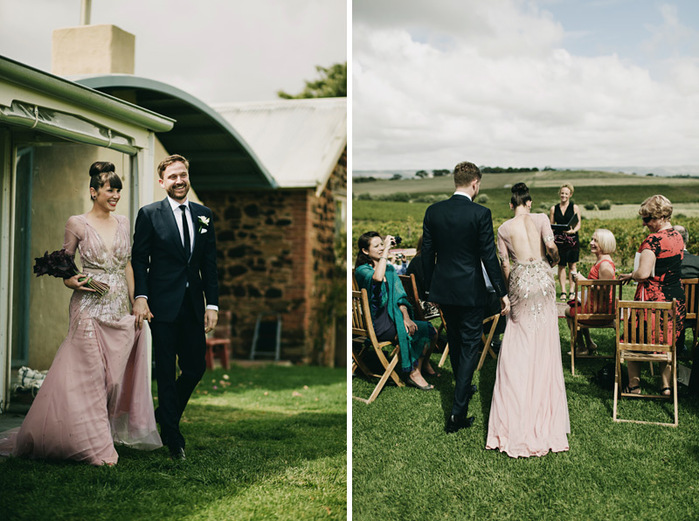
x: 218, y: 341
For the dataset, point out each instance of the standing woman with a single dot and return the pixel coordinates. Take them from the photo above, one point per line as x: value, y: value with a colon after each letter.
x: 390, y: 308
x: 568, y: 242
x: 97, y: 391
x: 658, y: 275
x: 529, y: 409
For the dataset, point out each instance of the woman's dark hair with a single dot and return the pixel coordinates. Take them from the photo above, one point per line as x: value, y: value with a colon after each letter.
x: 102, y: 172
x: 363, y: 243
x: 520, y: 195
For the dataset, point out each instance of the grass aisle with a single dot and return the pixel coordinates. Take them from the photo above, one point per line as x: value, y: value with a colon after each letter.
x: 265, y: 443
x: 405, y: 467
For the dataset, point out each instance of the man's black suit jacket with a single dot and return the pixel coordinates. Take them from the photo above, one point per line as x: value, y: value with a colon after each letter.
x: 160, y: 264
x: 457, y: 236
x: 690, y: 266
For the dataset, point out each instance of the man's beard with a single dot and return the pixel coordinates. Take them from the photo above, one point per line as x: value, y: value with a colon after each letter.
x: 171, y: 192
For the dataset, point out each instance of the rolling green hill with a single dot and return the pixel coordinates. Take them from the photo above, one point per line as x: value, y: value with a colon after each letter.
x: 371, y: 210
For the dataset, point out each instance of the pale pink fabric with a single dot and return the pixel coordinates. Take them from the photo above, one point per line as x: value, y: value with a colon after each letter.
x: 529, y: 411
x: 96, y: 392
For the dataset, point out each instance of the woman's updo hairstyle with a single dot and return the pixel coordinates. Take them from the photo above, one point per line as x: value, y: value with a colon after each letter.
x: 520, y: 195
x: 102, y: 172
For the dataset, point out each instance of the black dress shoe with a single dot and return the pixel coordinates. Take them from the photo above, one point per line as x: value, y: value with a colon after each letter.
x: 456, y: 423
x: 177, y: 454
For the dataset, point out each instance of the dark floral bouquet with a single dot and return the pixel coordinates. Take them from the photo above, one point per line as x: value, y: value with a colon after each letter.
x: 60, y: 264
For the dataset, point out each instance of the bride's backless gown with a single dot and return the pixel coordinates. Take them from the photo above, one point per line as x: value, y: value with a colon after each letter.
x: 97, y: 390
x: 529, y: 411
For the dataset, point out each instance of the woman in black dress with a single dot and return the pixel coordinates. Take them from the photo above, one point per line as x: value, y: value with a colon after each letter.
x: 567, y: 241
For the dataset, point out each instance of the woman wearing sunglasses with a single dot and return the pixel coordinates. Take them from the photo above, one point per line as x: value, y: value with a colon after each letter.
x: 658, y: 274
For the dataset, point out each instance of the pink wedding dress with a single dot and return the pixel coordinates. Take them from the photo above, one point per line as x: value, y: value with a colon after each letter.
x: 96, y: 392
x: 529, y: 411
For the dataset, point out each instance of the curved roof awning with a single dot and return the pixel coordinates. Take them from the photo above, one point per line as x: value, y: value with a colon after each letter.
x: 219, y: 158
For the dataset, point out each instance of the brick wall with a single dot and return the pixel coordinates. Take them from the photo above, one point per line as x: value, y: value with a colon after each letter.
x: 275, y: 254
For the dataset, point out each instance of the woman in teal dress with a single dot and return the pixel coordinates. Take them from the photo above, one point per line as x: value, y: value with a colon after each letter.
x: 390, y: 309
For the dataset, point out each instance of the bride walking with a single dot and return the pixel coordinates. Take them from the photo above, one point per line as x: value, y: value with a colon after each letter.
x: 529, y: 411
x: 96, y: 392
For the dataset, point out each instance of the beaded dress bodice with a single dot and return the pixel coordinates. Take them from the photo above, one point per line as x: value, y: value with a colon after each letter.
x: 531, y: 286
x: 103, y: 264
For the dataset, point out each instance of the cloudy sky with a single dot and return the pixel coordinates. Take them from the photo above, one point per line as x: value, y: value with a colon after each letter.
x: 216, y: 50
x: 562, y: 83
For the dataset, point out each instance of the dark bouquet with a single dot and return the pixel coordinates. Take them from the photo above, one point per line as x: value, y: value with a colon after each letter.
x: 60, y: 264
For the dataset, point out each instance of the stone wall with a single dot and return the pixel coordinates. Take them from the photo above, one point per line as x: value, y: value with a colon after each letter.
x: 276, y: 255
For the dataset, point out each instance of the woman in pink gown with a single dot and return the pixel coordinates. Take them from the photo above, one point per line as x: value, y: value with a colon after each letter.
x: 529, y: 411
x: 97, y: 390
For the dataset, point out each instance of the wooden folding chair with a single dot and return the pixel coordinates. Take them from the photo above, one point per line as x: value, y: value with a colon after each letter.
x: 487, y: 338
x: 355, y: 286
x: 364, y: 341
x: 690, y: 297
x: 597, y: 311
x: 645, y: 332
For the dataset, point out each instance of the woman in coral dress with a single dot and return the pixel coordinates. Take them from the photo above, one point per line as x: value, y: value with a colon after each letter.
x: 97, y: 391
x: 529, y: 411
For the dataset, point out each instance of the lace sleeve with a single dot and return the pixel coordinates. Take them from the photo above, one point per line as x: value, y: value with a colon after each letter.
x: 546, y: 231
x: 125, y: 225
x: 502, y: 248
x: 74, y: 233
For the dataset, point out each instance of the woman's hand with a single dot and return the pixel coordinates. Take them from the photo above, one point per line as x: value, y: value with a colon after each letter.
x: 388, y: 242
x: 76, y: 284
x: 625, y: 277
x: 410, y: 326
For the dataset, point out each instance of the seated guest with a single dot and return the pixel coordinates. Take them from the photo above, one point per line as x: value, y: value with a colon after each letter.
x: 390, y: 308
x: 602, y: 244
x: 688, y: 270
x: 415, y: 268
x: 690, y: 262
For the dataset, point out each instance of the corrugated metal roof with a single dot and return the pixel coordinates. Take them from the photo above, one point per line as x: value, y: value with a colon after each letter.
x: 299, y: 141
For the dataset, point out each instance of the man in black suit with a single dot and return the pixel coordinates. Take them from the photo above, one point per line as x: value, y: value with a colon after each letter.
x: 690, y: 262
x: 174, y: 264
x: 688, y: 270
x: 457, y: 244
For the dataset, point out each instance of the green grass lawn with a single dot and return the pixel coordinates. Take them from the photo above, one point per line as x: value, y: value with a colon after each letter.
x: 267, y: 443
x: 405, y: 467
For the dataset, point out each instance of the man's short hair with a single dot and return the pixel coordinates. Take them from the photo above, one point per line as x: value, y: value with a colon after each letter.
x: 174, y: 158
x: 465, y: 173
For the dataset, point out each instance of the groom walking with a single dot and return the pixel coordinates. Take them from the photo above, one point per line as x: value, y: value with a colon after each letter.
x: 457, y: 243
x: 174, y: 264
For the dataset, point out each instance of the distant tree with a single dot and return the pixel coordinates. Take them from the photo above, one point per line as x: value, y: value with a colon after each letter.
x: 650, y: 174
x: 548, y: 169
x: 363, y: 179
x: 438, y: 173
x: 421, y: 174
x: 332, y: 84
x: 396, y: 177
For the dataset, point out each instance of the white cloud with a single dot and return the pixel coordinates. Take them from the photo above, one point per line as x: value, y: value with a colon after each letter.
x: 504, y: 91
x: 217, y: 50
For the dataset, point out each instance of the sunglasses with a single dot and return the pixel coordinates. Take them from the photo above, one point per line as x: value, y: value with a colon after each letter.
x: 647, y: 219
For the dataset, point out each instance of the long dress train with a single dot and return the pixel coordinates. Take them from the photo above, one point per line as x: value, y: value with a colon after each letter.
x: 529, y: 411
x: 96, y: 392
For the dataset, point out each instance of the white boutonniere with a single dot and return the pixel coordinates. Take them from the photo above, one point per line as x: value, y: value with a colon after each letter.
x: 203, y: 224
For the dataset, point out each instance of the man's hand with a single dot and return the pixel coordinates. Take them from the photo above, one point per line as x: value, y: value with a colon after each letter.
x: 141, y: 311
x: 210, y: 320
x: 504, y: 305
